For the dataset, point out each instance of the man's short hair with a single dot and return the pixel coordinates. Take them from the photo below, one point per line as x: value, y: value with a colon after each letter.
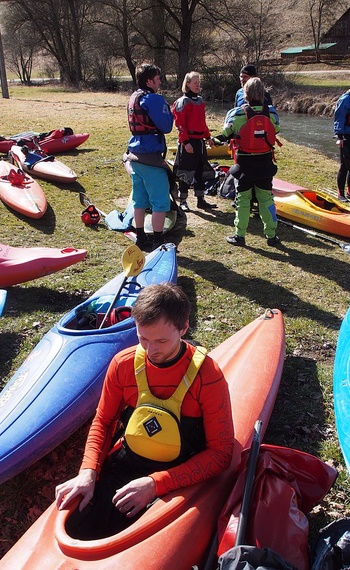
x: 254, y: 90
x: 144, y: 72
x: 249, y: 69
x: 162, y: 301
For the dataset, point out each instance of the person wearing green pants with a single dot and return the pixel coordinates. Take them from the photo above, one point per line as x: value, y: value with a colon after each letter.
x: 252, y: 130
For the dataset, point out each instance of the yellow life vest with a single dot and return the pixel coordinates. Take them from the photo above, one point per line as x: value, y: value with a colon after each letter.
x: 153, y: 430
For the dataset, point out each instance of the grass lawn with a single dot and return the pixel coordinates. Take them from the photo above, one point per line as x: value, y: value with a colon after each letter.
x: 307, y: 279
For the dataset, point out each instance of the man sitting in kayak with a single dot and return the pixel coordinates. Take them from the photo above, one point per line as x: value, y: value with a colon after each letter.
x: 153, y: 453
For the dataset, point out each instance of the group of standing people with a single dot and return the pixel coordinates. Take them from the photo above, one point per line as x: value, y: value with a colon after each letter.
x: 150, y: 118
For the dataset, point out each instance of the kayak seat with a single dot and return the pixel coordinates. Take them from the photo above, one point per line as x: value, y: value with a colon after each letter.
x: 116, y: 316
x: 33, y: 158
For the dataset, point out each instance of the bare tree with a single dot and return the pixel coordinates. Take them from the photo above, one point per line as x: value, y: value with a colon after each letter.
x: 21, y: 47
x: 322, y: 15
x: 62, y: 26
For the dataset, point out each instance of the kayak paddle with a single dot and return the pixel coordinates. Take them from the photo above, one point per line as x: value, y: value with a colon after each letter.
x: 133, y: 260
x: 253, y: 458
x: 344, y: 246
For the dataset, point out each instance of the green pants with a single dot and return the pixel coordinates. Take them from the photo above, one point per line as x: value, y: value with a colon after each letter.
x: 267, y: 211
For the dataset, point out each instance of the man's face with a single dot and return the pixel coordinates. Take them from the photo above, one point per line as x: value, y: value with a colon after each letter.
x: 244, y: 78
x: 161, y: 340
x: 154, y: 83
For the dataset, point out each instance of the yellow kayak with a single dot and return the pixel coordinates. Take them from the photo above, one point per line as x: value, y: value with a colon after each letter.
x: 306, y: 207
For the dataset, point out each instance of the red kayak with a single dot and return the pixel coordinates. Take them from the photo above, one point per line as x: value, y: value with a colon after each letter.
x: 53, y: 142
x: 176, y: 531
x: 19, y: 264
x: 20, y: 192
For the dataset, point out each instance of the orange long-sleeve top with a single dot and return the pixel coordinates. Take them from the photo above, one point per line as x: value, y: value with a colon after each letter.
x: 208, y: 398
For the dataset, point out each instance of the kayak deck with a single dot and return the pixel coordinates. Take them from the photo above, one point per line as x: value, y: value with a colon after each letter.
x: 20, y: 264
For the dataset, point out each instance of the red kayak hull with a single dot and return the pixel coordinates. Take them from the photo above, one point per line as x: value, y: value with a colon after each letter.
x: 52, y: 144
x: 19, y: 264
x: 28, y: 198
x: 177, y: 530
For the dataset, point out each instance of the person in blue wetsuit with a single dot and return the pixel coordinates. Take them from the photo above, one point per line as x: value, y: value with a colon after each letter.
x: 342, y: 132
x: 246, y: 73
x: 149, y: 118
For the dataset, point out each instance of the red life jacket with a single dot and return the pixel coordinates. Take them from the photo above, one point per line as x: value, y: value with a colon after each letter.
x: 140, y: 123
x: 257, y: 135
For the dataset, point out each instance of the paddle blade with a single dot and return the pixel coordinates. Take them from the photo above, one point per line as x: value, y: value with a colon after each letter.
x: 133, y: 260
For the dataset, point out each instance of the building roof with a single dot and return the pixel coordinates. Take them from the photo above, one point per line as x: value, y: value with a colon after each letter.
x: 296, y: 50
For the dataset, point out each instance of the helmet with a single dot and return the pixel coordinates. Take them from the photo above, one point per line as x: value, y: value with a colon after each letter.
x: 90, y: 216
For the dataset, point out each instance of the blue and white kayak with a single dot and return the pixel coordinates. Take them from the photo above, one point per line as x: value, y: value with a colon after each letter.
x: 3, y: 295
x: 341, y: 388
x: 57, y: 388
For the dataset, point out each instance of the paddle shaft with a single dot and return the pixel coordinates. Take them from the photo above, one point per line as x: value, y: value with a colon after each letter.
x: 343, y: 245
x: 133, y: 261
x: 253, y: 458
x: 109, y: 310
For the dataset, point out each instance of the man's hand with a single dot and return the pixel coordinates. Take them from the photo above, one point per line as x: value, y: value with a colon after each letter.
x: 134, y: 496
x: 189, y: 148
x: 83, y: 484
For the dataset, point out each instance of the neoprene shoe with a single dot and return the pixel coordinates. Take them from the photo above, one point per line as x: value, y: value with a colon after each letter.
x: 184, y: 206
x: 204, y: 205
x: 273, y: 241
x: 236, y: 240
x: 144, y: 244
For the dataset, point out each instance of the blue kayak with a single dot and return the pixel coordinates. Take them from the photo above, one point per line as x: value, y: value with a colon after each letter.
x: 3, y: 295
x: 341, y: 388
x: 57, y: 388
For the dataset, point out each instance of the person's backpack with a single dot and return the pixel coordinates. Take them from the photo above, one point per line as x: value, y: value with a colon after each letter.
x: 252, y: 558
x: 332, y: 550
x: 257, y: 135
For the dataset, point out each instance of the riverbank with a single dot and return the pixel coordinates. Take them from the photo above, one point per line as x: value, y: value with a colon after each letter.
x: 308, y: 102
x: 311, y: 89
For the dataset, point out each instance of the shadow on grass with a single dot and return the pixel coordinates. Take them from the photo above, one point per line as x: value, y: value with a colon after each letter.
x: 319, y: 264
x: 269, y: 294
x: 299, y: 416
x: 24, y: 301
x: 46, y: 224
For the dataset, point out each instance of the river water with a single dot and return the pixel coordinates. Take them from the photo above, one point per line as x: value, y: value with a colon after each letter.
x: 307, y: 130
x: 311, y: 131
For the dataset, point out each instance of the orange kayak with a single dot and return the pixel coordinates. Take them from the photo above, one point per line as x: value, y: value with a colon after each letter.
x: 177, y: 529
x: 25, y: 197
x: 316, y: 210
